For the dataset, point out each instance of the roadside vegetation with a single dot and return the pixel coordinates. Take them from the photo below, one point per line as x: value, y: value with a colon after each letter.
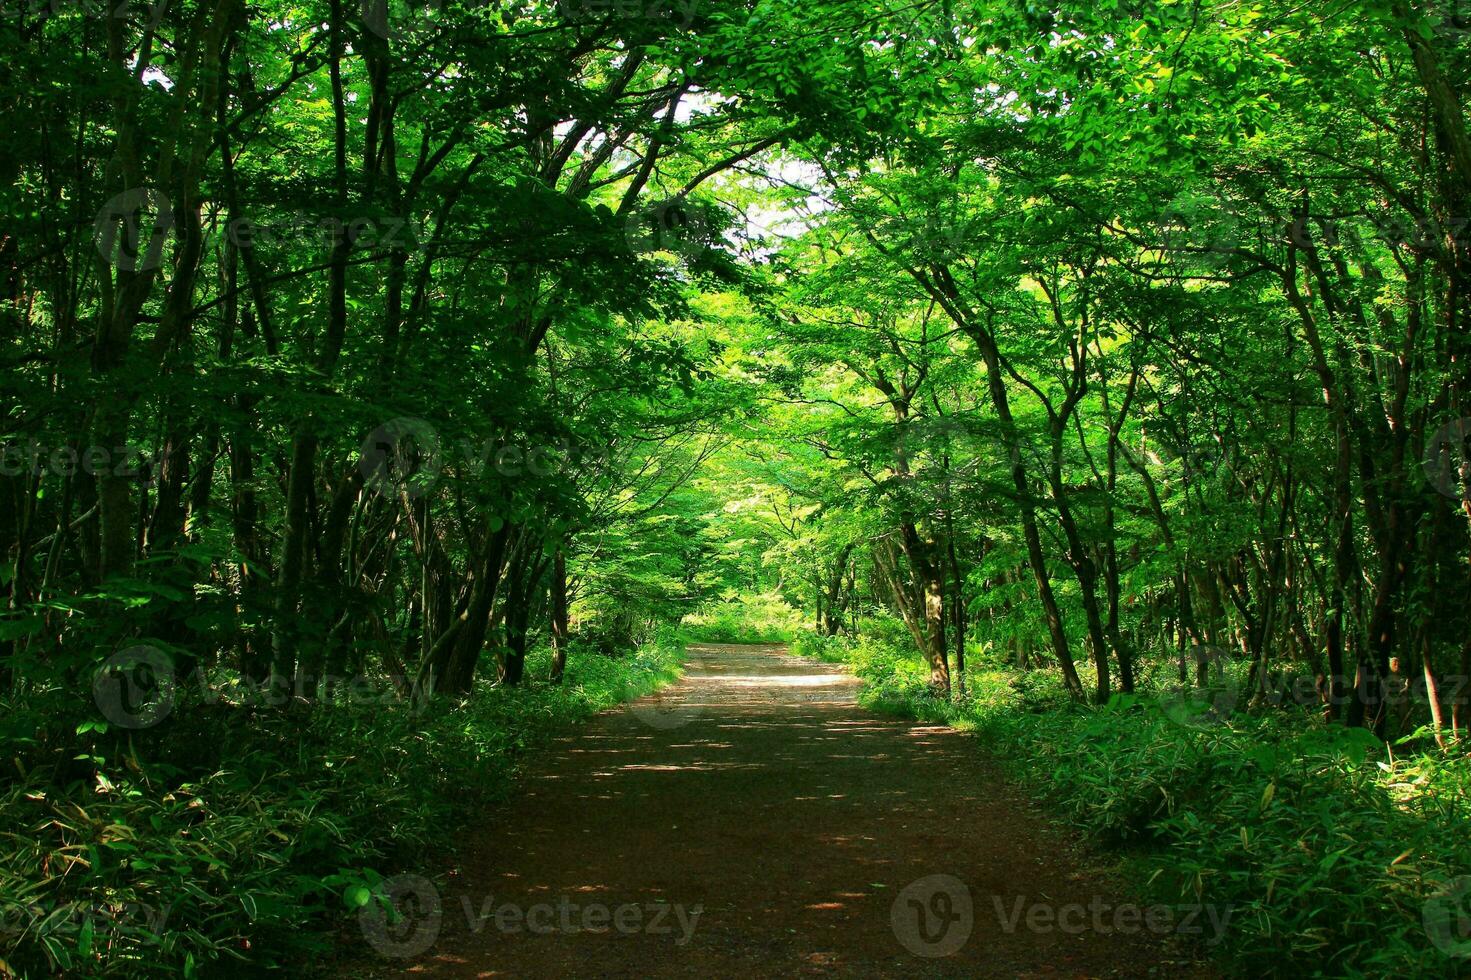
x: 1336, y: 854
x: 241, y: 836
x: 382, y: 385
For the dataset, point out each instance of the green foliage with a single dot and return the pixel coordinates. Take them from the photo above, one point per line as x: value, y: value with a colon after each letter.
x: 765, y: 618
x: 1097, y: 331
x: 227, y: 840
x: 1325, y: 847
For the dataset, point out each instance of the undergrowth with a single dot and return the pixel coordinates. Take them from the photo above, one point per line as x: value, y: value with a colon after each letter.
x: 222, y: 842
x: 1336, y: 855
x: 746, y: 619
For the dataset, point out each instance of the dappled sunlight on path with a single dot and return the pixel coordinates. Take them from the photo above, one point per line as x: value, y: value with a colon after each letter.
x: 753, y: 821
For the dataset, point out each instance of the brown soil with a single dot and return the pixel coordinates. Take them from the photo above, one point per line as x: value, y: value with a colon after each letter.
x: 797, y: 834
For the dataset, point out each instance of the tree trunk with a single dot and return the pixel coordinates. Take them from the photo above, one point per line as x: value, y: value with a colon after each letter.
x: 559, y: 614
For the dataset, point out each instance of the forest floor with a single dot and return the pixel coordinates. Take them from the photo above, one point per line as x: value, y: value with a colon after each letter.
x: 753, y: 821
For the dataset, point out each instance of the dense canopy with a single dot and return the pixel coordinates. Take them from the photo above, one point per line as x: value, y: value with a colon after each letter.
x: 388, y: 386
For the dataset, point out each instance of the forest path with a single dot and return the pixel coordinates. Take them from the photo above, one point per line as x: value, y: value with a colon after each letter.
x: 753, y: 821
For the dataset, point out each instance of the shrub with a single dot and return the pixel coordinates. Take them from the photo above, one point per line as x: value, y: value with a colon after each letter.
x: 748, y: 619
x: 1328, y: 850
x: 229, y: 850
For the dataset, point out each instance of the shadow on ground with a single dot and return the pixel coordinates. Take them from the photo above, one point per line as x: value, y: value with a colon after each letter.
x: 753, y: 821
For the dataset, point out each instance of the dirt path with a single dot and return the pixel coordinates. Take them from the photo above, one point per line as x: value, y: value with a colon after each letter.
x: 752, y: 821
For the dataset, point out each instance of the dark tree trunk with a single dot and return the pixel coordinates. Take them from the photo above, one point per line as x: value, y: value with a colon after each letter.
x: 559, y: 615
